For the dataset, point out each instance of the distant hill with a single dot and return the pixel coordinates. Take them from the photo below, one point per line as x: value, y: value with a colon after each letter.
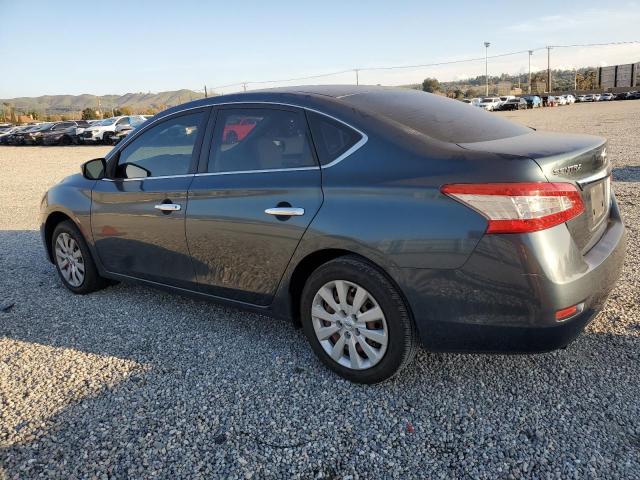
x: 64, y: 104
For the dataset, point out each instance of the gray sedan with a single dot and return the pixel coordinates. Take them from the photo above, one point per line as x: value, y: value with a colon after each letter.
x: 378, y: 219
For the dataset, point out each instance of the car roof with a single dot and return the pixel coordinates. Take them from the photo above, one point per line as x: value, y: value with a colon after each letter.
x: 435, y: 116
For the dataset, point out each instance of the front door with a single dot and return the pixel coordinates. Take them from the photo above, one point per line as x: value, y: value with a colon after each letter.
x: 249, y: 209
x: 138, y: 213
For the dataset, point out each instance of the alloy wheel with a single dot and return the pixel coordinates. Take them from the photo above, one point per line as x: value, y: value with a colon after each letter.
x: 69, y: 259
x: 349, y: 324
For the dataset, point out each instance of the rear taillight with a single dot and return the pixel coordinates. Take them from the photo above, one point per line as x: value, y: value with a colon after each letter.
x: 519, y: 207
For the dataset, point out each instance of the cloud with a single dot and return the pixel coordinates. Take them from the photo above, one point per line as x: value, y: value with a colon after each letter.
x: 598, y: 19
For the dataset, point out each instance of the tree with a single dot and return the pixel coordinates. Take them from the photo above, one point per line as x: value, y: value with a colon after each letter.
x: 430, y: 85
x: 89, y: 114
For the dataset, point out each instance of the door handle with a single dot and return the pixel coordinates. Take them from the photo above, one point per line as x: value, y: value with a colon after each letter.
x: 168, y: 207
x: 285, y: 211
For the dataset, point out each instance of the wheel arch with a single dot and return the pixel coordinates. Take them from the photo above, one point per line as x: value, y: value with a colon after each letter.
x: 308, y: 264
x: 53, y: 220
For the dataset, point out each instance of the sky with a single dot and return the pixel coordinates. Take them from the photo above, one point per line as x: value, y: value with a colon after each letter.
x: 75, y: 47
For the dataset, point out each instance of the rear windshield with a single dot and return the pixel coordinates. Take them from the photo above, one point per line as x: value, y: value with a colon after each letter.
x: 438, y: 117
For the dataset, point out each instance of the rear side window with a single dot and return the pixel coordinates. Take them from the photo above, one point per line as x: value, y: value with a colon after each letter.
x: 331, y: 137
x: 248, y: 139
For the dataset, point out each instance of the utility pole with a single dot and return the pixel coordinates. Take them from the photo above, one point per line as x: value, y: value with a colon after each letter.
x: 486, y: 67
x: 530, y: 54
x: 205, y: 91
x: 357, y: 79
x: 244, y: 86
x: 549, y: 69
x: 575, y: 79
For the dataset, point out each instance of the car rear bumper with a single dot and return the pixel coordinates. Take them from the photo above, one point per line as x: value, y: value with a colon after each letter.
x: 506, y: 295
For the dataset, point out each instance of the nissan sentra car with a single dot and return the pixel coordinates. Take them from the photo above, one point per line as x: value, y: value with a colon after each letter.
x: 378, y: 219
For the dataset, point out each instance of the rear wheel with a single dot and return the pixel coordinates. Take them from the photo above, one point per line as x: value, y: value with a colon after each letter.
x: 65, y: 140
x: 356, y: 321
x: 73, y: 260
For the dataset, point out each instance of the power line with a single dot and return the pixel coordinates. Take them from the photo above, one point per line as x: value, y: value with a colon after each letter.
x: 594, y: 44
x: 422, y: 65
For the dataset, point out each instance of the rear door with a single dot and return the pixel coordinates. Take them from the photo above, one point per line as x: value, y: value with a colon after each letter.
x: 138, y: 213
x: 256, y: 193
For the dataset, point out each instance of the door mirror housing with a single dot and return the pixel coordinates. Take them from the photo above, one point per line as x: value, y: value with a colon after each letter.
x: 94, y: 169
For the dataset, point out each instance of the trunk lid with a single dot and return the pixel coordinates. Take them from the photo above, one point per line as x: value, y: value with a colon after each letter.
x: 578, y: 159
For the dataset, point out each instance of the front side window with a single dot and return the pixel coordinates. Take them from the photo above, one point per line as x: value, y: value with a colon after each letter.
x: 331, y: 138
x: 163, y: 150
x: 248, y: 139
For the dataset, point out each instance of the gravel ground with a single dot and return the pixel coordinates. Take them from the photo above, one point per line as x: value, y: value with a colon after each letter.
x: 130, y: 382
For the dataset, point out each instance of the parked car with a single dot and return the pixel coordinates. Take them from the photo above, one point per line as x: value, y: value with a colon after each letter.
x: 620, y: 96
x: 504, y: 99
x: 123, y: 130
x: 8, y: 138
x: 62, y: 133
x: 81, y: 127
x: 489, y: 103
x: 29, y: 135
x: 533, y: 101
x: 590, y: 97
x: 7, y: 133
x: 570, y: 99
x: 466, y: 100
x: 236, y: 129
x: 514, y: 104
x: 581, y: 98
x: 560, y: 100
x: 283, y: 222
x: 596, y: 97
x: 606, y: 97
x: 101, y: 132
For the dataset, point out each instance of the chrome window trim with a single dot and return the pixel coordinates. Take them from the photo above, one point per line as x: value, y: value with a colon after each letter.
x: 349, y: 152
x: 266, y: 170
x: 160, y: 177
x: 207, y: 174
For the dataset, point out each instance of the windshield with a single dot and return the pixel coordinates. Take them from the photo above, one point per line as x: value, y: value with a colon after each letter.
x: 435, y: 116
x: 106, y: 121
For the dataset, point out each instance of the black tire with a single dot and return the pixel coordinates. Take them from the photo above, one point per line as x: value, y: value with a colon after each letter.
x: 106, y: 138
x: 92, y: 280
x: 65, y: 140
x: 402, y: 333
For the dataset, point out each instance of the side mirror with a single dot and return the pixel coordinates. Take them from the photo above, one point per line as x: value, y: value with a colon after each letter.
x: 94, y: 169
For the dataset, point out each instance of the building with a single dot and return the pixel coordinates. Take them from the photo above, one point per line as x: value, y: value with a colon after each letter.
x: 617, y: 76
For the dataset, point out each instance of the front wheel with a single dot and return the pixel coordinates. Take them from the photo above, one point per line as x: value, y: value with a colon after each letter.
x: 73, y: 260
x: 356, y: 321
